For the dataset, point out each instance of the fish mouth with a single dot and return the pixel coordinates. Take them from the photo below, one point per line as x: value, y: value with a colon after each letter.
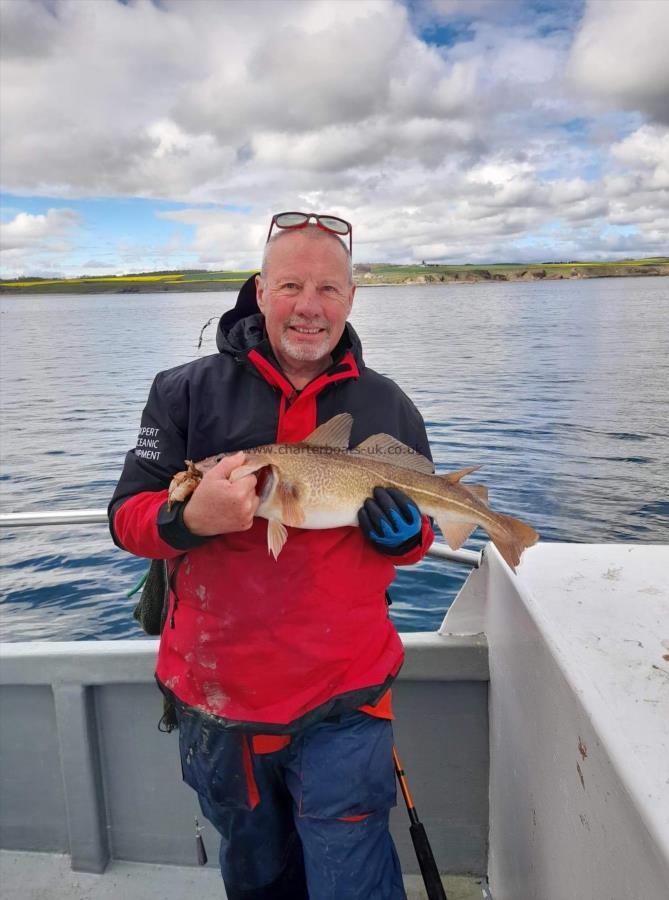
x: 265, y: 481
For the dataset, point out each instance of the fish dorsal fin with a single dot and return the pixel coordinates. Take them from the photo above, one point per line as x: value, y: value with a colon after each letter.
x: 479, y: 490
x: 335, y: 433
x: 389, y: 450
x: 454, y: 477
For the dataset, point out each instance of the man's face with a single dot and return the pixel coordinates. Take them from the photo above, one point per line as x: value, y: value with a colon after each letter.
x: 306, y: 297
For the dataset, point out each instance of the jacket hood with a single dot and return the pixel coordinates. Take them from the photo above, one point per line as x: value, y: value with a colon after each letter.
x: 242, y: 329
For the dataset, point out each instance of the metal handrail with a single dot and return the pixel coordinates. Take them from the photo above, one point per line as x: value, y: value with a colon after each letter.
x: 99, y: 517
x: 66, y: 517
x: 471, y: 558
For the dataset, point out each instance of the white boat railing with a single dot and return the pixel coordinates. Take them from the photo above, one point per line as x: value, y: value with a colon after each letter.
x: 99, y: 517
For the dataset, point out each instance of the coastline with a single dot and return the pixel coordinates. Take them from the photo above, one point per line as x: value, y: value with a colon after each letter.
x: 482, y: 275
x: 367, y: 275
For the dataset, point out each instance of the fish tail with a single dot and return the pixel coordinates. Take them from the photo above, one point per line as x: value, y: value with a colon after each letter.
x: 511, y: 537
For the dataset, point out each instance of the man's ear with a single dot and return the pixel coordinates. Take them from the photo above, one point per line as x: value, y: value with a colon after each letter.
x: 260, y: 293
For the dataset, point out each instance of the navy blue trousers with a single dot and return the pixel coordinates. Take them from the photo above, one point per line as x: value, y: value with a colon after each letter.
x: 307, y: 822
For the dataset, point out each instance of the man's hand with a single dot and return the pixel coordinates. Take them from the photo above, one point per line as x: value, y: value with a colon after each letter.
x: 218, y: 506
x: 391, y: 521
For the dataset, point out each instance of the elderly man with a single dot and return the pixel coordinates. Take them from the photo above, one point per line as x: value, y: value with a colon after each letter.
x: 280, y: 670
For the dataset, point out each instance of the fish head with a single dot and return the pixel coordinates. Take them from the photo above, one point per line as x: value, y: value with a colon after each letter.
x: 264, y: 466
x: 267, y: 481
x: 183, y: 484
x: 280, y: 484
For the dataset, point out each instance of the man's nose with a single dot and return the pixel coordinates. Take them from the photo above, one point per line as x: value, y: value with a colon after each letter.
x: 308, y: 302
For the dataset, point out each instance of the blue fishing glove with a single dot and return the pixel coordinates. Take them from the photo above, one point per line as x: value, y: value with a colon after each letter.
x: 391, y: 521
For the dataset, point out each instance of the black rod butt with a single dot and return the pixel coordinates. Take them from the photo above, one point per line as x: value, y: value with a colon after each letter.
x: 428, y: 866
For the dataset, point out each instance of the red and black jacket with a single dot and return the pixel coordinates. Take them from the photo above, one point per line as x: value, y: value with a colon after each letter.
x: 267, y: 645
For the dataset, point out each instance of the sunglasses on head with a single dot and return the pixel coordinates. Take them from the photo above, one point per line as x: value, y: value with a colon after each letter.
x: 301, y: 220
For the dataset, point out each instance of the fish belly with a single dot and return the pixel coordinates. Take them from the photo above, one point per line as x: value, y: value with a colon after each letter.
x: 316, y: 519
x: 330, y: 518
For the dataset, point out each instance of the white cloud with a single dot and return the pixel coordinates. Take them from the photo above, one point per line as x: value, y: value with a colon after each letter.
x: 27, y: 231
x: 638, y: 185
x: 620, y: 55
x: 647, y: 150
x: 37, y: 243
x: 456, y: 151
x: 149, y: 104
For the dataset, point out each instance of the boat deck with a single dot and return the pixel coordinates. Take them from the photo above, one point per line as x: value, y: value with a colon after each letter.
x: 48, y: 876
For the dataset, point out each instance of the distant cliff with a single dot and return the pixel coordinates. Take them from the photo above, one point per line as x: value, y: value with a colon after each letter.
x: 434, y: 274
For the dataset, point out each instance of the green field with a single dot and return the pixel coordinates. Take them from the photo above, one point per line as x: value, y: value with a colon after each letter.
x: 389, y: 274
x: 365, y: 274
x: 129, y: 284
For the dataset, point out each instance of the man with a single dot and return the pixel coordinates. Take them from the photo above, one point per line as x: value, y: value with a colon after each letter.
x: 280, y: 669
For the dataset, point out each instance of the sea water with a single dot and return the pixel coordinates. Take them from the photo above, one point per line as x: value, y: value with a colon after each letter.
x: 559, y: 390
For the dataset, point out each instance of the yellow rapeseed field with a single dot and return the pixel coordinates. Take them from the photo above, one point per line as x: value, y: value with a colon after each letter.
x: 95, y: 280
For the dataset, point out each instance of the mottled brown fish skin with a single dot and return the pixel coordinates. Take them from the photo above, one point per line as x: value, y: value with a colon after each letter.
x: 324, y: 487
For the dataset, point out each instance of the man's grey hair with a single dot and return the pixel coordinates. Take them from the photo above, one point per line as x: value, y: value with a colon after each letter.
x: 313, y: 232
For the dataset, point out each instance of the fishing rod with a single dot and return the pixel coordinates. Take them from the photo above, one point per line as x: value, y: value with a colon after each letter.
x: 428, y: 866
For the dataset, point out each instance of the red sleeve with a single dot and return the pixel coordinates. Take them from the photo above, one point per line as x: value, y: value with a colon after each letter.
x: 415, y: 555
x: 136, y: 526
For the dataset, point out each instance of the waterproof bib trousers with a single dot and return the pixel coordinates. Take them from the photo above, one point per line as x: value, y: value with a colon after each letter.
x: 305, y: 822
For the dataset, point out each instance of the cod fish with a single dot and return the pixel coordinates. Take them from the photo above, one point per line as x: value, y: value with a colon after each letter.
x: 320, y: 483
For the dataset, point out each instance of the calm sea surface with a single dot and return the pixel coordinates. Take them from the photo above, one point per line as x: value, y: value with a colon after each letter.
x: 560, y: 390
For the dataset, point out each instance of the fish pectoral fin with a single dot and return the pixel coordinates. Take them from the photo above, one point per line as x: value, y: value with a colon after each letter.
x: 388, y: 449
x: 276, y: 537
x: 455, y: 533
x: 478, y: 490
x: 249, y: 468
x: 454, y: 477
x: 335, y: 433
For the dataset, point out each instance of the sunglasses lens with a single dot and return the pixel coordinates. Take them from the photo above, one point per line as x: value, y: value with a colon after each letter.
x: 290, y: 220
x: 336, y: 225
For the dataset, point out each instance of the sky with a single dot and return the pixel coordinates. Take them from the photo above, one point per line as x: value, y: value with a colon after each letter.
x: 138, y: 135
